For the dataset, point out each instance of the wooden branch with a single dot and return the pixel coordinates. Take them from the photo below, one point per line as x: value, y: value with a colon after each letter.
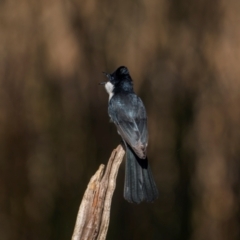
x: 94, y: 211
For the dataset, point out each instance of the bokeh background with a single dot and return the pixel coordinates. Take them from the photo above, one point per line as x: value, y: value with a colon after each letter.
x: 54, y: 129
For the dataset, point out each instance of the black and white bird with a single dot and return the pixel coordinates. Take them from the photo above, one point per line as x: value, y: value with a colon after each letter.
x: 128, y: 113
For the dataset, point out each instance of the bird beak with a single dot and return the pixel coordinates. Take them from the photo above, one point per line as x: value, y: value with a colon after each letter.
x: 107, y: 75
x: 102, y: 83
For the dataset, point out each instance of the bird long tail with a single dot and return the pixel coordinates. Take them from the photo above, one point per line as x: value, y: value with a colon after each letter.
x: 139, y: 183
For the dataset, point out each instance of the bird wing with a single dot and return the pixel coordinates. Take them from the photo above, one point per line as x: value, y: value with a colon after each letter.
x: 129, y: 115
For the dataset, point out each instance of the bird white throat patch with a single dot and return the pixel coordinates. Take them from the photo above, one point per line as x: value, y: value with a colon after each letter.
x: 109, y: 87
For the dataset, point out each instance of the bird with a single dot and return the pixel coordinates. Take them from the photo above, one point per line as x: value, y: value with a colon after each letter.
x: 127, y: 111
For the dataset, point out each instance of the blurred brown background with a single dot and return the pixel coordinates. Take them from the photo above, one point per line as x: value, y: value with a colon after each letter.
x: 54, y: 129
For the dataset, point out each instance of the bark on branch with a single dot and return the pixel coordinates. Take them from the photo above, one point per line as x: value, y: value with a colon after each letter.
x: 94, y: 211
